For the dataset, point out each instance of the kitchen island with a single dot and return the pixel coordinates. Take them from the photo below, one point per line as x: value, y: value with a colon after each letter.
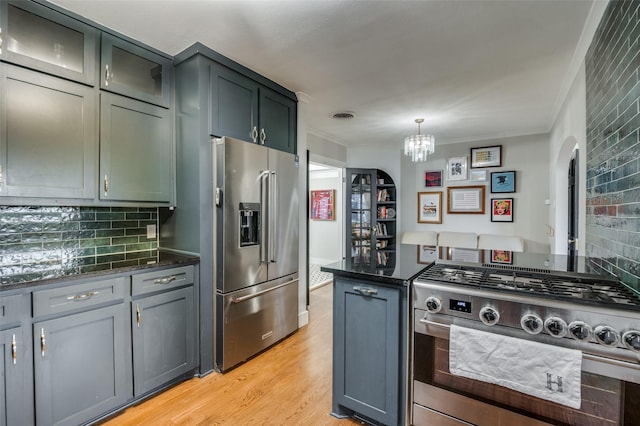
x: 370, y: 338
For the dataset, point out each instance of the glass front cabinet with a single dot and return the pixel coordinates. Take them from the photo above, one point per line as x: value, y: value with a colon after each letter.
x: 371, y: 219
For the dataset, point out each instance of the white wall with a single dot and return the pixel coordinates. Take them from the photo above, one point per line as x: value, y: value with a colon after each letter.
x: 569, y: 130
x: 527, y: 155
x: 326, y: 238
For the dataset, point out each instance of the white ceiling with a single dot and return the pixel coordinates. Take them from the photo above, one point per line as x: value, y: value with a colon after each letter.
x: 473, y: 69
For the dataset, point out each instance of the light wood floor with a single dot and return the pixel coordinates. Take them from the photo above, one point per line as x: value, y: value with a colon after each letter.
x: 289, y: 384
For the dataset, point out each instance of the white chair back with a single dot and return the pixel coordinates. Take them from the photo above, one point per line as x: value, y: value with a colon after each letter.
x: 424, y: 238
x: 500, y: 242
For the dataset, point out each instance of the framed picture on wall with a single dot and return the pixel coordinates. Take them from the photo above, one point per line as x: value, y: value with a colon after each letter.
x: 457, y: 168
x: 503, y: 182
x: 323, y: 204
x: 486, y: 156
x: 502, y: 210
x: 427, y: 254
x: 430, y: 207
x: 501, y: 256
x: 465, y: 199
x: 433, y: 178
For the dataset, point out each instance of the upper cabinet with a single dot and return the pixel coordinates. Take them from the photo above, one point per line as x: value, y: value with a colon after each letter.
x: 37, y: 37
x: 47, y: 136
x: 247, y: 109
x: 134, y: 71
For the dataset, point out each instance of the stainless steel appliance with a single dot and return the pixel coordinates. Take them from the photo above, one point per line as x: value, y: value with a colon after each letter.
x: 257, y: 249
x: 596, y: 315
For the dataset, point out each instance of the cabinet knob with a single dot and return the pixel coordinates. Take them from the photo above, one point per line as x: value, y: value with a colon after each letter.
x: 138, y: 315
x: 43, y: 342
x: 254, y: 134
x: 263, y: 136
x: 106, y: 184
x: 14, y: 349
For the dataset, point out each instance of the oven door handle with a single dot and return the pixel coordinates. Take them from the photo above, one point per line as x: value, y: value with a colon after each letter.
x: 435, y: 329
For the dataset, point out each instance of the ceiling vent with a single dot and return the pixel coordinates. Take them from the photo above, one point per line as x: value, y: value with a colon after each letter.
x: 343, y: 115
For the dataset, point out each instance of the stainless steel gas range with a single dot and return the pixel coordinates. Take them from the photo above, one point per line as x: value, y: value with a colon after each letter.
x: 596, y: 315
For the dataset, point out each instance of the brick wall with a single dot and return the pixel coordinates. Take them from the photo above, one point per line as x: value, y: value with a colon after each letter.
x: 613, y: 149
x: 47, y: 242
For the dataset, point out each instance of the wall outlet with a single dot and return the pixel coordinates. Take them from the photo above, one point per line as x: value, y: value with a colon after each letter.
x: 151, y: 231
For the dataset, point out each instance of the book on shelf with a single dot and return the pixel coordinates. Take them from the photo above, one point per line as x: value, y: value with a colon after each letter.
x: 382, y: 195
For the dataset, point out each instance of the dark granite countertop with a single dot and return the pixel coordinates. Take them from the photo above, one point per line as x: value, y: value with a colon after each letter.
x: 407, y: 266
x: 163, y: 259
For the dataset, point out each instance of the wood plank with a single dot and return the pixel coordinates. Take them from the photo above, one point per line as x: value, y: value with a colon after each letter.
x: 289, y: 384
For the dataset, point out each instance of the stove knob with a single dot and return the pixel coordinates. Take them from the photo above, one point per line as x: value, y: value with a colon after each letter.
x: 531, y: 323
x: 606, y: 335
x: 631, y: 340
x: 555, y: 326
x: 489, y: 316
x: 433, y: 304
x: 580, y: 330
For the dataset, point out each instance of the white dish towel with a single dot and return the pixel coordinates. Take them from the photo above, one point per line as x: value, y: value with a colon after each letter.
x: 545, y: 371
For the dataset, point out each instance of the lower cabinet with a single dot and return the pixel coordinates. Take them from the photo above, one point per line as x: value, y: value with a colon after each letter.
x: 16, y: 379
x: 369, y: 351
x: 81, y: 365
x: 164, y: 338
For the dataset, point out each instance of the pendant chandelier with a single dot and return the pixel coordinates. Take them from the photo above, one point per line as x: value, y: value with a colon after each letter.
x: 419, y: 146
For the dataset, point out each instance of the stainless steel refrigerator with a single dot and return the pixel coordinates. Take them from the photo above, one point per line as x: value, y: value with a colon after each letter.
x: 256, y: 197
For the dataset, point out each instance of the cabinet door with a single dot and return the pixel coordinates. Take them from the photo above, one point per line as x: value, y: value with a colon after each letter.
x: 37, y: 37
x: 134, y: 71
x: 164, y: 338
x: 16, y: 362
x: 361, y: 217
x: 234, y: 104
x: 366, y: 345
x: 81, y: 365
x: 48, y: 136
x: 135, y: 150
x: 277, y: 121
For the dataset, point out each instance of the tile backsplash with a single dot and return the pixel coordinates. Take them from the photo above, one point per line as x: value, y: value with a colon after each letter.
x: 612, y: 67
x: 48, y: 242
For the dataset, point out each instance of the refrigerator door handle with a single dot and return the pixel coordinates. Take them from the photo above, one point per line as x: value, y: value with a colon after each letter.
x: 273, y: 215
x: 264, y: 213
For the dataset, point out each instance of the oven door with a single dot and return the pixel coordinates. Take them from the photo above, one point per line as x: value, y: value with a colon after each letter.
x: 440, y: 398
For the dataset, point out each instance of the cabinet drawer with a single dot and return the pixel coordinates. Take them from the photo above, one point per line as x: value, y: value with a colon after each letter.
x: 162, y: 280
x: 79, y: 296
x: 12, y: 309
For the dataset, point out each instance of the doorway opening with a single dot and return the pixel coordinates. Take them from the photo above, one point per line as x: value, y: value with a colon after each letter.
x: 325, y: 236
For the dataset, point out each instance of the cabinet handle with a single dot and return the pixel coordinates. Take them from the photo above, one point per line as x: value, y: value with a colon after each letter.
x: 1, y: 176
x: 81, y: 297
x: 0, y: 40
x: 14, y: 349
x: 106, y: 75
x: 254, y: 134
x: 165, y: 280
x: 263, y: 136
x: 138, y: 315
x: 43, y: 342
x: 366, y: 291
x: 106, y: 184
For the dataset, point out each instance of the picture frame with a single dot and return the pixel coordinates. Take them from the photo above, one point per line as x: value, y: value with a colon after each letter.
x: 503, y: 182
x: 433, y: 178
x: 486, y: 156
x: 430, y: 207
x: 502, y: 210
x: 465, y: 199
x: 427, y: 254
x: 478, y: 175
x: 502, y: 256
x: 457, y: 168
x: 323, y: 204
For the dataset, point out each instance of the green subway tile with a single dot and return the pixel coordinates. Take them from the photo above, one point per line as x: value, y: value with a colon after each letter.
x: 95, y: 225
x: 109, y: 250
x: 108, y: 258
x: 124, y: 240
x: 136, y: 231
x: 124, y: 209
x: 138, y: 216
x: 110, y: 216
x: 139, y: 254
x: 61, y: 226
x: 124, y: 224
x: 95, y: 268
x: 95, y: 242
x: 138, y: 247
x: 125, y: 263
x: 110, y: 233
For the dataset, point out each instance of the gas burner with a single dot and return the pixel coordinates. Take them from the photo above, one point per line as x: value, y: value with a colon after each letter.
x: 596, y: 293
x: 516, y: 282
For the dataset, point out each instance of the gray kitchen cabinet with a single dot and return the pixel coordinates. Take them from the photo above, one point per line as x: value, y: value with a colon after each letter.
x: 369, y: 351
x: 16, y: 372
x: 136, y: 151
x: 37, y: 37
x: 131, y: 70
x: 244, y: 109
x: 164, y: 324
x: 82, y: 351
x: 47, y: 136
